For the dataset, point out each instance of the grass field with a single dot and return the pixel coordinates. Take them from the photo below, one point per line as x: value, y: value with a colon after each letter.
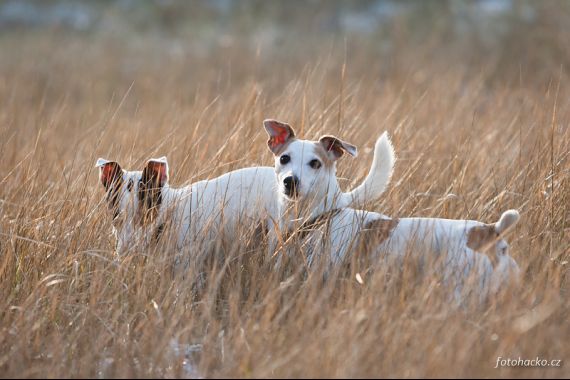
x: 473, y: 138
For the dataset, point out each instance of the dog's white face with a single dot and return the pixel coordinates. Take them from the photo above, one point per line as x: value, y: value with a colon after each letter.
x: 306, y: 170
x: 134, y: 199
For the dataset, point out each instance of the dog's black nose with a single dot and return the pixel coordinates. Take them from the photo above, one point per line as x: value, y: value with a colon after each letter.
x: 291, y: 184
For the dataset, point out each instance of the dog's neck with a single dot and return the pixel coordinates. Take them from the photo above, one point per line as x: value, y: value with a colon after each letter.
x: 294, y: 213
x: 171, y: 200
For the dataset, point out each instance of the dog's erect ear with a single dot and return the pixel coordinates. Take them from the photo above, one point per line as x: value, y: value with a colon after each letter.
x: 279, y: 134
x: 109, y: 172
x: 335, y: 147
x: 155, y: 172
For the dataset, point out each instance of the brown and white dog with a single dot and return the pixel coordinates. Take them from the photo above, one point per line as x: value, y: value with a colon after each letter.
x: 142, y: 203
x: 309, y: 195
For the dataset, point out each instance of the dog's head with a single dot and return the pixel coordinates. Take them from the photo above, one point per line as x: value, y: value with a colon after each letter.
x: 134, y: 199
x: 305, y: 169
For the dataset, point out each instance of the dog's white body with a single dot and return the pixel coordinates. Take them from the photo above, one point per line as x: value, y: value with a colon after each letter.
x: 460, y: 245
x: 201, y: 211
x: 443, y: 242
x: 242, y: 195
x: 196, y: 213
x: 207, y: 208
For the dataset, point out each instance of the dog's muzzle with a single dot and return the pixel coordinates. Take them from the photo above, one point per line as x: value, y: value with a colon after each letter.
x: 291, y: 186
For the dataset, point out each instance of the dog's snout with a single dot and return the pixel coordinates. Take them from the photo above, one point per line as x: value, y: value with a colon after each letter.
x: 291, y: 184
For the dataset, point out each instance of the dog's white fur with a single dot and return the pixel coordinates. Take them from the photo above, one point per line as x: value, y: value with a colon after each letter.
x: 318, y: 189
x: 430, y: 239
x: 197, y: 212
x: 200, y: 211
x: 319, y: 193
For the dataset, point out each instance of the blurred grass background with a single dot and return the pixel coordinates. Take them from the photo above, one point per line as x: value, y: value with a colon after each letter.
x: 474, y: 93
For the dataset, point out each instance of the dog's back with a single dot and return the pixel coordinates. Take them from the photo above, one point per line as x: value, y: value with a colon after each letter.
x: 222, y: 205
x: 448, y: 242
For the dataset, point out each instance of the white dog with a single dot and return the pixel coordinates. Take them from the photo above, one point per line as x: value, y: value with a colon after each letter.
x: 143, y: 204
x: 310, y: 203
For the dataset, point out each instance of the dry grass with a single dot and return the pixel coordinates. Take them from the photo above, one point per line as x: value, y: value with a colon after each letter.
x: 471, y: 143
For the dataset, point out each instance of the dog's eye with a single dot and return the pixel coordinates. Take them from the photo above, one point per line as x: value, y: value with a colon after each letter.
x: 284, y: 160
x: 315, y: 164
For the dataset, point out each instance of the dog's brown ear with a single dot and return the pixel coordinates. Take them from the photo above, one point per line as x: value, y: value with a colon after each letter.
x: 109, y: 172
x: 155, y: 172
x: 335, y: 147
x: 154, y: 177
x: 279, y: 134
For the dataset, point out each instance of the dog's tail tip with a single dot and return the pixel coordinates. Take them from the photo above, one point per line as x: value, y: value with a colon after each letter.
x: 384, y: 149
x: 508, y: 219
x: 383, y: 139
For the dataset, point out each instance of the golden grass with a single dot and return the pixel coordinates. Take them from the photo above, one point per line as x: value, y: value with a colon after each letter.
x: 470, y: 143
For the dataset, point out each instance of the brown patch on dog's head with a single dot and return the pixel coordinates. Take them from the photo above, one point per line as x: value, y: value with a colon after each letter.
x: 335, y: 147
x: 329, y: 149
x: 481, y: 238
x: 109, y: 172
x: 111, y: 177
x: 280, y: 135
x: 324, y: 156
x: 154, y: 177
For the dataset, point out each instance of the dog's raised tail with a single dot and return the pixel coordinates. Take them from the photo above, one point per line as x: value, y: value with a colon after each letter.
x: 508, y: 219
x: 379, y: 176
